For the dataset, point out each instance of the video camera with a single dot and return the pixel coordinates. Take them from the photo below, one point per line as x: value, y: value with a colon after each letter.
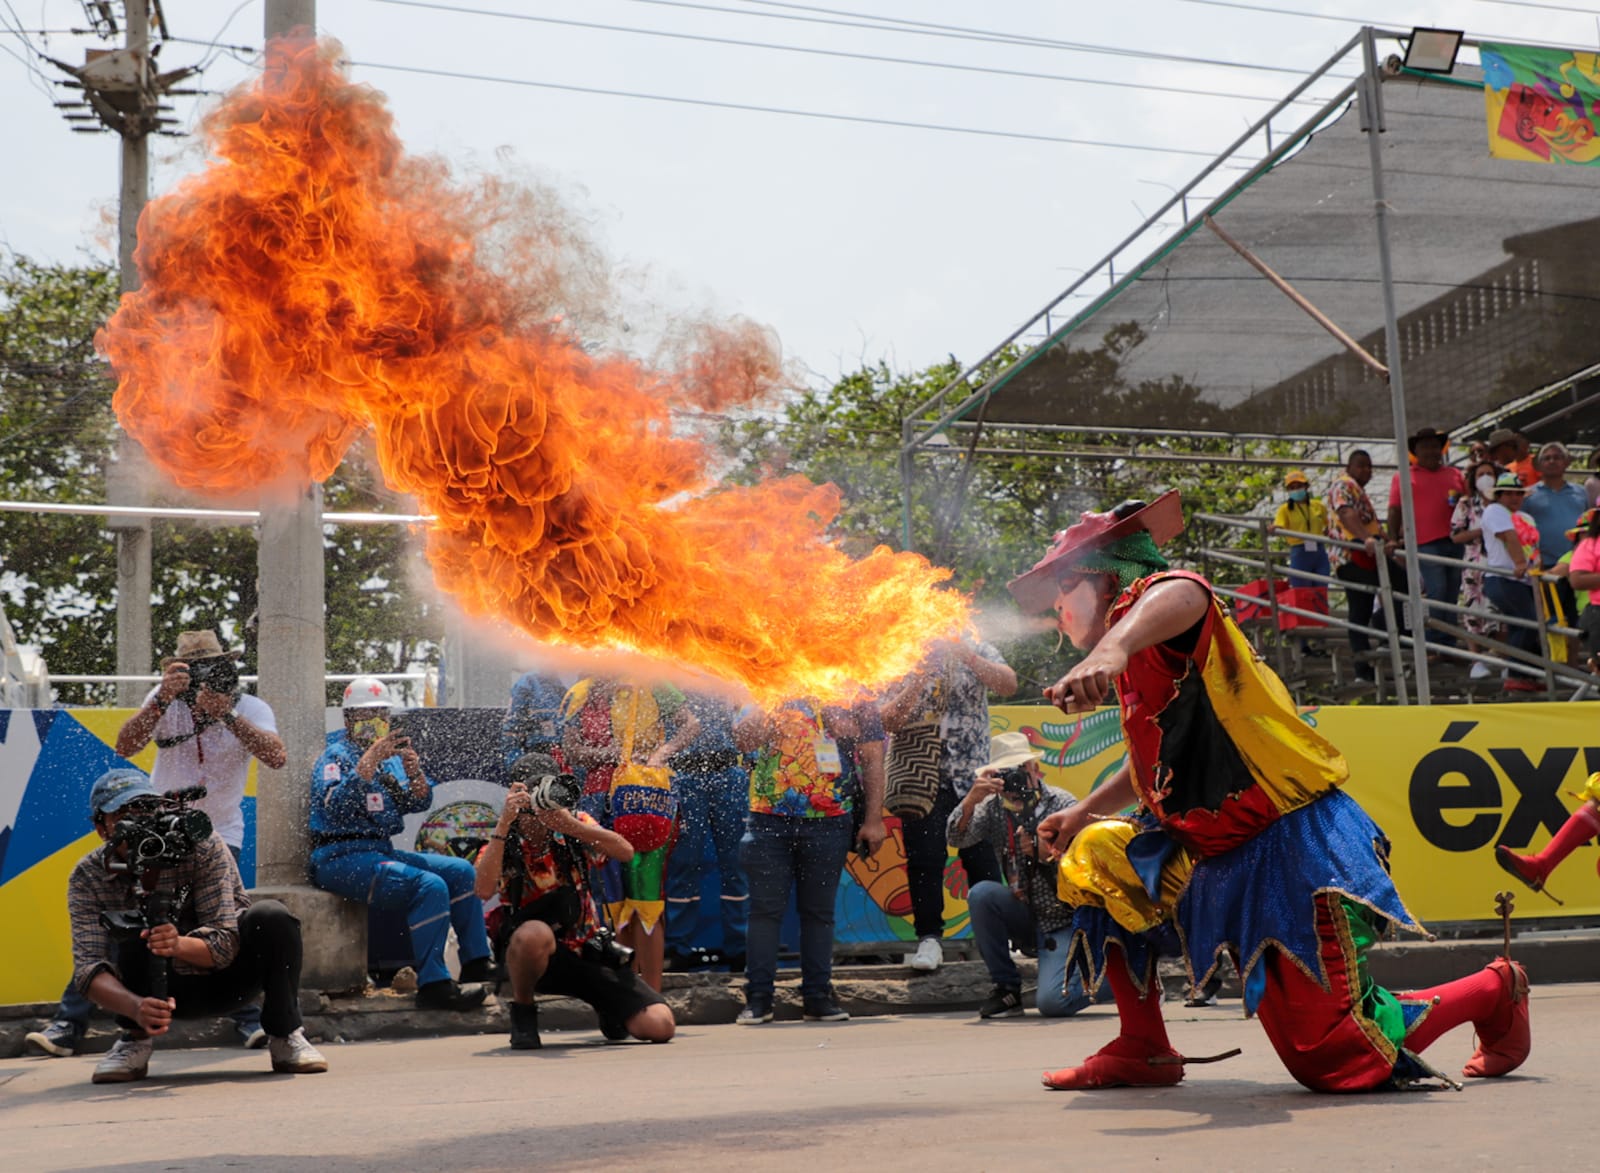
x: 164, y: 837
x: 219, y: 674
x: 160, y: 838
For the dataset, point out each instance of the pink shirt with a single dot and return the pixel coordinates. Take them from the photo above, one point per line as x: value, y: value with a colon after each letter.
x: 1587, y: 555
x: 1431, y: 489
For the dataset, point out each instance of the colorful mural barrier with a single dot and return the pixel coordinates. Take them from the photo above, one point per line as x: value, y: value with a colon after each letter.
x: 1446, y: 783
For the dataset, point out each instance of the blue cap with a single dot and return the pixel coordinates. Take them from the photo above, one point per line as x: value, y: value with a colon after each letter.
x: 115, y: 789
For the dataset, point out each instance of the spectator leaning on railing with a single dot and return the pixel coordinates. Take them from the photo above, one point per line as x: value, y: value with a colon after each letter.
x: 1435, y: 489
x: 1511, y: 554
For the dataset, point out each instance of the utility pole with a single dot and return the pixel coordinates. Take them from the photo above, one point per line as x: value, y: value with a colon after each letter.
x: 122, y: 92
x: 292, y: 657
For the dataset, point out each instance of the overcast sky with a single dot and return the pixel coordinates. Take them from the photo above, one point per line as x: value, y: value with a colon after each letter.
x: 855, y: 241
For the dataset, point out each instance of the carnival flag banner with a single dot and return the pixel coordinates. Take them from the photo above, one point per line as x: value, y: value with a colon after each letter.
x: 1542, y: 104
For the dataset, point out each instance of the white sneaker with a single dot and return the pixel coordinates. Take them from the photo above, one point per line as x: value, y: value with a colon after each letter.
x: 1479, y: 670
x: 128, y: 1060
x: 929, y: 955
x: 295, y: 1055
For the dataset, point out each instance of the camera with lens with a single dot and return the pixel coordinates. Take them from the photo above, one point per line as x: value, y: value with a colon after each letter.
x: 219, y: 675
x: 1015, y: 782
x: 603, y: 948
x: 549, y: 787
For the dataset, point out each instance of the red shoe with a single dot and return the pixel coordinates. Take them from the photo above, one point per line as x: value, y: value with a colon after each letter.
x: 1520, y: 684
x: 1507, y: 1050
x: 1520, y: 866
x: 1122, y: 1062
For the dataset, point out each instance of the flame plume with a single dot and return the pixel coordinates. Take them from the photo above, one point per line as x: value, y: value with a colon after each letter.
x: 314, y: 282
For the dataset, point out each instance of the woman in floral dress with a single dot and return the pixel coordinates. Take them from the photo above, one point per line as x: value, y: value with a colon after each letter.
x: 1466, y: 530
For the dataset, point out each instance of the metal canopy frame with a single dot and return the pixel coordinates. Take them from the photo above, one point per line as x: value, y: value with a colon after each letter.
x: 918, y: 434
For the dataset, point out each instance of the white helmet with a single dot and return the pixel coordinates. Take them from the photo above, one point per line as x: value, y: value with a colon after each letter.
x: 367, y: 692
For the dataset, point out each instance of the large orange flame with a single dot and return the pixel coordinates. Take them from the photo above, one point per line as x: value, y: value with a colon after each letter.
x: 315, y: 281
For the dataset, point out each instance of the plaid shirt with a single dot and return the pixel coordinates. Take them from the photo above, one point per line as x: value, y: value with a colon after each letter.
x: 993, y: 824
x: 210, y: 911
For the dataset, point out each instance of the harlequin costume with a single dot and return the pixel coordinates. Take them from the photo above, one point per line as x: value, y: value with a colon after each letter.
x: 1242, y: 844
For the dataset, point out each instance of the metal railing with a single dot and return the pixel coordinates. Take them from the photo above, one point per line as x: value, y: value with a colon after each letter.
x: 1271, y: 566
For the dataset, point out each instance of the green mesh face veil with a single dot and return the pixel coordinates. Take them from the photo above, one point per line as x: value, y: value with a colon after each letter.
x: 1129, y: 559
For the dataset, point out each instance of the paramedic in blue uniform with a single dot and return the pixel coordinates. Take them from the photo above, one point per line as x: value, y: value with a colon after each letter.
x: 362, y: 787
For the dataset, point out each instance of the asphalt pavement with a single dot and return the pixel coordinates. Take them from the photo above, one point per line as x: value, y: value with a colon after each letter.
x: 919, y: 1092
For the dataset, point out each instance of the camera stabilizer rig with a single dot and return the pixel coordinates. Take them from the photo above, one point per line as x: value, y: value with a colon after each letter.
x: 157, y: 841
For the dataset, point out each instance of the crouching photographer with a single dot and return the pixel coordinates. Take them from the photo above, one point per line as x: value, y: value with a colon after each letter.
x: 162, y: 928
x: 547, y: 927
x: 1003, y: 808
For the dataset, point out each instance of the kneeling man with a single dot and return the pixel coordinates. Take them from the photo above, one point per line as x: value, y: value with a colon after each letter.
x: 1003, y: 809
x: 210, y: 952
x: 547, y: 924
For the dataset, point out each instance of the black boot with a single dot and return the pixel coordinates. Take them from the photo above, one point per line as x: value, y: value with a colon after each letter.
x: 447, y: 995
x: 525, y: 1027
x: 479, y: 969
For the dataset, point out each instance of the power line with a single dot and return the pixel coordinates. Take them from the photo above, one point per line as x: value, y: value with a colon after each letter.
x: 962, y: 33
x: 1345, y: 19
x: 862, y: 118
x: 807, y: 49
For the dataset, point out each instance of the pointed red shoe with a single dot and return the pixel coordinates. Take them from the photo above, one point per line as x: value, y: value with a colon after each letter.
x: 1506, y: 1051
x: 1122, y: 1062
x: 1520, y: 866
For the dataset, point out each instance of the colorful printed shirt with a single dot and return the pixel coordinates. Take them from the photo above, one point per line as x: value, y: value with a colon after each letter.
x: 808, y: 768
x: 960, y: 702
x: 544, y: 872
x: 1217, y: 749
x: 1347, y: 494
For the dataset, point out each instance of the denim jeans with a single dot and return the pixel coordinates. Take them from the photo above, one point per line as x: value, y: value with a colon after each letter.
x: 76, y: 1008
x: 1515, y: 598
x: 808, y: 856
x: 926, y: 854
x: 998, y: 918
x: 712, y: 804
x: 1441, y: 584
x: 435, y: 891
x: 1315, y: 561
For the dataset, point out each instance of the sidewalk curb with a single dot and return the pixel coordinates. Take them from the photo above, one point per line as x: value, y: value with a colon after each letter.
x: 700, y: 999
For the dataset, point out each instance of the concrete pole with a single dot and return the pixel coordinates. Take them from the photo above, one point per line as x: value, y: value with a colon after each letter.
x: 291, y: 654
x: 292, y: 658
x: 126, y: 478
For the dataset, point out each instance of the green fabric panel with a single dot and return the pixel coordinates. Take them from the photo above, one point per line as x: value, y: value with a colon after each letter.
x: 1377, y: 1003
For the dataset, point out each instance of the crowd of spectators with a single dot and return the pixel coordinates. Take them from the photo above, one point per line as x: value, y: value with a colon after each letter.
x: 1525, y: 532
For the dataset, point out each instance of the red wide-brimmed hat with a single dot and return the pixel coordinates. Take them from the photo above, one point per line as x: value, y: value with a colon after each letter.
x: 1036, y: 589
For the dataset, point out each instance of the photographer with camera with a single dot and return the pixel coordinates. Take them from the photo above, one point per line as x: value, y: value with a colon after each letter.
x: 162, y: 928
x: 362, y: 787
x: 206, y: 732
x: 547, y: 925
x: 1003, y: 808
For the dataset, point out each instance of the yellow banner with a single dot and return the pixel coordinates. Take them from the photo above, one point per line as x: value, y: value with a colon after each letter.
x: 1446, y: 783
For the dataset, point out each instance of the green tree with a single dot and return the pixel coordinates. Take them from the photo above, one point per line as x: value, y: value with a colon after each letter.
x: 58, y: 572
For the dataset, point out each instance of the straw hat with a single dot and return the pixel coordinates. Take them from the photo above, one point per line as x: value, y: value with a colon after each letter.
x: 199, y: 645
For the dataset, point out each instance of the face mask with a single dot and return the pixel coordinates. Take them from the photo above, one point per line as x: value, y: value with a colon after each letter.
x: 366, y: 730
x: 1299, y: 494
x: 1485, y: 484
